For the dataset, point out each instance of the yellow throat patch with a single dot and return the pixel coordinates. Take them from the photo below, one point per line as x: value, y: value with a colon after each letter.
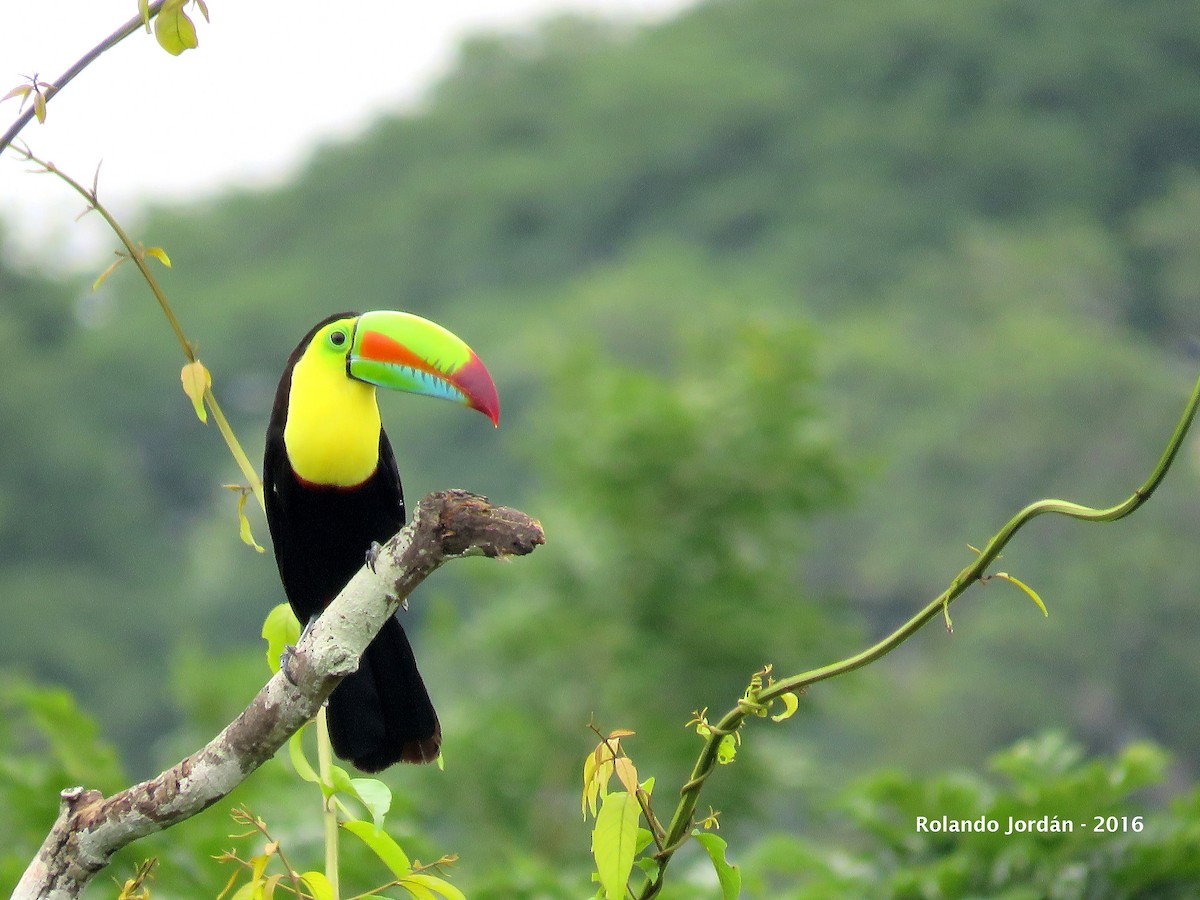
x: 332, y: 430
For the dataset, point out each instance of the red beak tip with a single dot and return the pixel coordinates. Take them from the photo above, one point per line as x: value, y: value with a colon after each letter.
x: 476, y: 382
x: 492, y: 412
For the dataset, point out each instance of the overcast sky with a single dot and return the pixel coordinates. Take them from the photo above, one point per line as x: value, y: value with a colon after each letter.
x: 268, y: 81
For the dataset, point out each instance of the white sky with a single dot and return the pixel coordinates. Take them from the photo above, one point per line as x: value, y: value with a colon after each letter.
x: 269, y: 80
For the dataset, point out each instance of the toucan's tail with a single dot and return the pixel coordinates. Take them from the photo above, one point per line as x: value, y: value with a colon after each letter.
x: 382, y: 713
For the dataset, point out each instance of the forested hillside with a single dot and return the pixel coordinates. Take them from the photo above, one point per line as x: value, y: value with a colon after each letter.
x: 788, y: 303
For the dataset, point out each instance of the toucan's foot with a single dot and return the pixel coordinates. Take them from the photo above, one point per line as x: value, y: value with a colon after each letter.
x: 373, y: 555
x: 284, y: 658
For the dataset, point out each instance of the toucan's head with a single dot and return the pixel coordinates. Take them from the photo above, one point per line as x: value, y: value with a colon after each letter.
x: 404, y: 352
x: 328, y: 390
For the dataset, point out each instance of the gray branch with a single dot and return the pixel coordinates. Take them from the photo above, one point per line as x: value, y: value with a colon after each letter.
x: 91, y: 828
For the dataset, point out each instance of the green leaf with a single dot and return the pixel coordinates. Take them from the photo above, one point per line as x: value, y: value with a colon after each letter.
x: 614, y: 841
x: 433, y: 885
x: 626, y: 773
x: 790, y: 704
x: 174, y: 31
x: 375, y: 796
x: 259, y: 864
x: 729, y: 876
x: 280, y: 630
x: 1029, y: 592
x: 21, y: 90
x: 648, y: 865
x: 196, y: 380
x: 339, y: 782
x: 597, y: 769
x: 299, y: 761
x: 591, y: 789
x: 160, y: 254
x: 727, y: 749
x: 418, y: 890
x: 268, y: 887
x: 319, y: 885
x: 244, y: 531
x: 388, y: 851
x: 144, y: 12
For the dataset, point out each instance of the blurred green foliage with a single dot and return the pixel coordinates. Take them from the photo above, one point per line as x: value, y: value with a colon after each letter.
x: 1086, y: 833
x: 787, y: 303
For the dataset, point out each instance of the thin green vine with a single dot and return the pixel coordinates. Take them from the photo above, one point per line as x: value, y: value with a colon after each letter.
x: 137, y: 254
x: 756, y: 702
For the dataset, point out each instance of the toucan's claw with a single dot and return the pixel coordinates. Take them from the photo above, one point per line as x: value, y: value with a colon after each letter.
x: 373, y: 555
x: 284, y: 658
x: 288, y: 649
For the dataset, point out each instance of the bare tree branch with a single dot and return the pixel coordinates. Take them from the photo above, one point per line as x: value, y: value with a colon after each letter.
x: 91, y: 828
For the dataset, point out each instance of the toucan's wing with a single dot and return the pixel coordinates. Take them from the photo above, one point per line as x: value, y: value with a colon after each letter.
x: 389, y: 481
x: 276, y: 472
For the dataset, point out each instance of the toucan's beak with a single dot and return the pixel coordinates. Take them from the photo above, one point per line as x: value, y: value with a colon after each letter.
x: 403, y: 352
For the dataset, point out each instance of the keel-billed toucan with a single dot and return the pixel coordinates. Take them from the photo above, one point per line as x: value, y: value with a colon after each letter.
x: 333, y: 489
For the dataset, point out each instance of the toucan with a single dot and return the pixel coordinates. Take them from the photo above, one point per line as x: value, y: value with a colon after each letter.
x: 333, y: 492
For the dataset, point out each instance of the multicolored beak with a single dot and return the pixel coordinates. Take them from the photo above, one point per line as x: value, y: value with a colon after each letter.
x: 403, y: 352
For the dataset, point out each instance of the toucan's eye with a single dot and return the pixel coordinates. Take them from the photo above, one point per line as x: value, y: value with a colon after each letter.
x: 337, y: 338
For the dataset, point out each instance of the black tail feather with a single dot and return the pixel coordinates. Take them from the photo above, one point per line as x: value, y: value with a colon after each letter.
x: 382, y: 713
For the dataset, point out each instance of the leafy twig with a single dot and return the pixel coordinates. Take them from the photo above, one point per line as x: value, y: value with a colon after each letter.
x: 82, y: 63
x: 611, y: 743
x: 243, y: 816
x: 138, y: 253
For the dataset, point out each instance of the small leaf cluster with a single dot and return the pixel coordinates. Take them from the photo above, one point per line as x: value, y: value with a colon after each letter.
x: 617, y: 837
x: 619, y: 842
x: 264, y: 884
x: 728, y: 745
x: 37, y: 90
